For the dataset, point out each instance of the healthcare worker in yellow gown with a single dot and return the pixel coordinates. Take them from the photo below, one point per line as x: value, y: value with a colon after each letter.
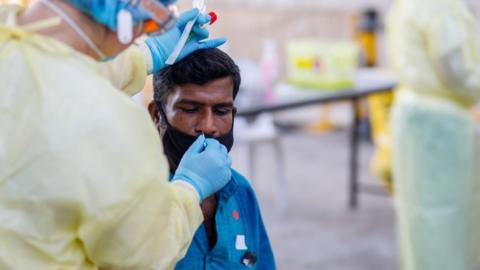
x: 433, y: 49
x: 83, y: 178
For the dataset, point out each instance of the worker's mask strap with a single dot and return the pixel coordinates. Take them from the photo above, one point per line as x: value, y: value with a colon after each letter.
x: 75, y: 28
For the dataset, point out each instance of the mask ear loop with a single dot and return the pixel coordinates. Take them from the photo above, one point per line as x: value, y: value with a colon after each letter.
x: 75, y: 27
x: 163, y: 116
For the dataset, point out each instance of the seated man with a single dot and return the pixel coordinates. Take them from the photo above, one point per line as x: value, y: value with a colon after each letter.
x: 194, y: 97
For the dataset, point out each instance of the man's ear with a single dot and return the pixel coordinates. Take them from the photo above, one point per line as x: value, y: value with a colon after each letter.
x: 154, y: 113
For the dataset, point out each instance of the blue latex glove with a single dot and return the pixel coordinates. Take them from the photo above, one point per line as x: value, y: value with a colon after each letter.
x: 105, y: 11
x: 206, y: 166
x: 163, y: 45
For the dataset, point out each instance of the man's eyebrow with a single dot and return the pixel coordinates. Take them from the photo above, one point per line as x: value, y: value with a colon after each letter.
x: 188, y: 102
x: 196, y: 103
x: 224, y: 104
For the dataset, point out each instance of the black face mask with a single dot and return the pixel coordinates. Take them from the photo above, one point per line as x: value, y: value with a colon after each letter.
x: 176, y: 142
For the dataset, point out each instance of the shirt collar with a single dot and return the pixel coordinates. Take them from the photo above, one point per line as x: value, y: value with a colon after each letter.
x: 228, y: 190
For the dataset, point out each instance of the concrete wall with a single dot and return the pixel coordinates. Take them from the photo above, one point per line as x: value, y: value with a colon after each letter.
x: 247, y: 23
x: 323, y: 4
x: 247, y: 29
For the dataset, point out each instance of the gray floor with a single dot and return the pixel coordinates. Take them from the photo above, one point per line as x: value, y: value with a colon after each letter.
x: 317, y: 231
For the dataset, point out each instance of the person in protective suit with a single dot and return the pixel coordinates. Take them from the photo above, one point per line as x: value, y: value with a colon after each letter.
x: 83, y: 179
x: 433, y: 50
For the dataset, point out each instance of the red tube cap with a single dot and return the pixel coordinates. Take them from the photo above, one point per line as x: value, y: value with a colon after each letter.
x: 213, y: 17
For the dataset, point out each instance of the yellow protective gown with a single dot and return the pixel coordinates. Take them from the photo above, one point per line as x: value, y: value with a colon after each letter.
x: 83, y: 181
x: 433, y: 50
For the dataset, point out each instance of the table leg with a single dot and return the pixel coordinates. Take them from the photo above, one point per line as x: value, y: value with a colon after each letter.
x: 353, y: 162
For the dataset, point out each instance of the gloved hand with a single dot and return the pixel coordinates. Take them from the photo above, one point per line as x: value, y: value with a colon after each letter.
x: 206, y: 166
x: 163, y: 45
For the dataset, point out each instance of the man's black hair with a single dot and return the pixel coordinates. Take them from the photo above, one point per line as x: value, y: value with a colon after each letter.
x: 200, y: 68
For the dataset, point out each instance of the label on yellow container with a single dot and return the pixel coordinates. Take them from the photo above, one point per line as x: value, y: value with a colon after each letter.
x: 327, y: 65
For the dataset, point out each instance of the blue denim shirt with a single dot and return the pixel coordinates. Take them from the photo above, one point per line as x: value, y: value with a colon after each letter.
x: 241, y: 234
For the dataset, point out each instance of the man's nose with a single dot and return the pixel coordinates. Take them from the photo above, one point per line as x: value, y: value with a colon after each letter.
x: 206, y: 125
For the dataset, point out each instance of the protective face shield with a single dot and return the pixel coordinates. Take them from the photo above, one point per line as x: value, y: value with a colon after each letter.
x: 122, y: 16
